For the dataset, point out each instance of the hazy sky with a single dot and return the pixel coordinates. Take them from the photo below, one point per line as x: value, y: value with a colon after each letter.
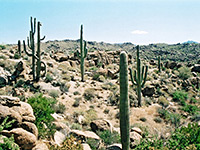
x: 113, y: 21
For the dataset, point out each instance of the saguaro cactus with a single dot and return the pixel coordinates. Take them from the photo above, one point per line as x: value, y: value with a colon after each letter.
x: 124, y: 102
x: 159, y: 65
x: 19, y: 48
x: 31, y: 45
x: 33, y: 54
x: 139, y: 78
x: 83, y: 53
x: 38, y: 54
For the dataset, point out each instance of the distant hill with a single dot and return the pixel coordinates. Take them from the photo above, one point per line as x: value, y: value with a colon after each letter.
x: 190, y: 42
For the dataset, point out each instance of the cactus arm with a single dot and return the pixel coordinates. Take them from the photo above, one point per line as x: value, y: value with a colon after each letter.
x: 29, y: 54
x: 19, y: 47
x: 42, y: 38
x: 85, y: 50
x: 132, y: 79
x: 45, y: 66
x: 78, y: 54
x: 124, y: 102
x: 135, y: 77
x: 142, y: 74
x: 145, y: 77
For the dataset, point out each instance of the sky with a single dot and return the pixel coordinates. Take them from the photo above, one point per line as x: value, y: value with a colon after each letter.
x: 111, y: 21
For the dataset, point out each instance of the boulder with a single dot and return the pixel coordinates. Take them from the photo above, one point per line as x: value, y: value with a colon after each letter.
x: 114, y: 147
x: 9, y: 100
x: 60, y: 136
x: 40, y: 146
x: 86, y: 146
x: 6, y: 111
x: 101, y: 125
x: 84, y: 134
x: 196, y: 68
x: 148, y: 91
x: 23, y: 138
x: 135, y: 138
x: 30, y: 127
x: 171, y: 65
x: 26, y: 111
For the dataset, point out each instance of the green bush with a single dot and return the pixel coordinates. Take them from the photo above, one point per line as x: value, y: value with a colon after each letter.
x: 2, y: 47
x: 54, y: 93
x: 184, y: 73
x: 59, y: 108
x: 169, y: 117
x: 180, y: 96
x: 191, y: 109
x: 43, y: 108
x: 16, y: 56
x: 163, y: 101
x: 8, y: 143
x: 48, y: 78
x: 109, y: 137
x: 185, y: 137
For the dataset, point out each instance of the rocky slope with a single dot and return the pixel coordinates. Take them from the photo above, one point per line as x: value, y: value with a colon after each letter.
x: 93, y: 105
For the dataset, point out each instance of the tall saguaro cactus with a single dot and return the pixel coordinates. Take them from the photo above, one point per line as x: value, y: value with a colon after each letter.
x: 38, y: 54
x: 139, y: 77
x: 19, y: 48
x: 83, y: 53
x: 159, y: 65
x: 31, y: 45
x: 124, y: 102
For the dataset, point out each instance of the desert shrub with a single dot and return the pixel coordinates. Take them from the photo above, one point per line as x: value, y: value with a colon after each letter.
x: 95, y: 76
x: 77, y: 93
x: 3, y: 57
x: 64, y: 87
x: 43, y: 108
x: 54, y: 93
x: 169, y: 117
x: 20, y: 83
x: 8, y: 143
x: 163, y: 101
x: 180, y: 96
x: 76, y: 102
x: 70, y: 143
x: 191, y: 109
x: 89, y: 116
x: 185, y: 137
x: 59, y: 108
x: 193, y: 100
x: 184, y: 73
x: 89, y: 94
x: 76, y: 126
x: 109, y: 137
x: 48, y: 78
x: 143, y: 119
x: 16, y: 56
x: 2, y: 47
x: 157, y: 120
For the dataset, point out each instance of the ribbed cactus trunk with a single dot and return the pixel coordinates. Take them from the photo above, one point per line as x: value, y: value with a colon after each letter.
x: 83, y: 53
x: 124, y: 102
x: 139, y: 77
x: 19, y: 47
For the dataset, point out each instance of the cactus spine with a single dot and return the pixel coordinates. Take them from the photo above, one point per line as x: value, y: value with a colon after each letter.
x: 83, y: 54
x: 124, y: 102
x: 19, y: 48
x: 159, y: 65
x: 33, y: 54
x: 139, y: 78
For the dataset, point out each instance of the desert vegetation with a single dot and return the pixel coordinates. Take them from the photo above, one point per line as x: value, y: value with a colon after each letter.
x: 74, y: 94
